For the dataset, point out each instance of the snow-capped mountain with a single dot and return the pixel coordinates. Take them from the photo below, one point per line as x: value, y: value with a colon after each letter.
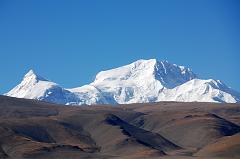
x: 36, y: 87
x: 139, y: 82
x: 201, y: 91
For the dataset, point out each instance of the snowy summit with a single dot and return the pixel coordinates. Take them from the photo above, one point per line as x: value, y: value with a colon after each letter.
x: 142, y: 81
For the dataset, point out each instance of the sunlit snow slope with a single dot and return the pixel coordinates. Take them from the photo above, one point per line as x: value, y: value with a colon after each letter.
x: 139, y: 82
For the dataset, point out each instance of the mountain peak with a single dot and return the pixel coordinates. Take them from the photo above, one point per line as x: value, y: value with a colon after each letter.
x: 169, y: 75
x: 138, y: 69
x: 34, y: 86
x: 31, y: 75
x: 144, y: 63
x: 149, y: 61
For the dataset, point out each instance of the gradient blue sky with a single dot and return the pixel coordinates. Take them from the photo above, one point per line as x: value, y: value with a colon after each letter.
x: 69, y: 41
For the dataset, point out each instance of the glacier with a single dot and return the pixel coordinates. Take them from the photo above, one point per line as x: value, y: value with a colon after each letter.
x: 142, y: 81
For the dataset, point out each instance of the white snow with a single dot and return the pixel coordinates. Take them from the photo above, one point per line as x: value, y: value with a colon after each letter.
x: 139, y: 82
x: 36, y: 87
x: 198, y: 90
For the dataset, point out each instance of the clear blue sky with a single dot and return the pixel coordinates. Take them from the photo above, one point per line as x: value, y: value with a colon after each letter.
x: 70, y: 41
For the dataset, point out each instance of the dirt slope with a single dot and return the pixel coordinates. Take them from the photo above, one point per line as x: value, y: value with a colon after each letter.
x: 33, y: 129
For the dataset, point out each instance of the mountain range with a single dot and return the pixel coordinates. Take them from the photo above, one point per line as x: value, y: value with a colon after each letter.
x: 143, y: 81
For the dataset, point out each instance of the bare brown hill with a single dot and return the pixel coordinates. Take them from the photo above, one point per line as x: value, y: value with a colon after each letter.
x: 226, y: 147
x: 33, y: 129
